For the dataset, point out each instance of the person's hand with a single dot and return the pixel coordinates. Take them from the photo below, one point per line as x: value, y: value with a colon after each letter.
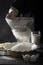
x: 13, y: 12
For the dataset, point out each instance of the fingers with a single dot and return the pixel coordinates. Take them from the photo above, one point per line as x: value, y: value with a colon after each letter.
x: 13, y: 12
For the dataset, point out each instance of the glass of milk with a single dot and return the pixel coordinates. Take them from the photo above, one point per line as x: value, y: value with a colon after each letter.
x: 35, y: 37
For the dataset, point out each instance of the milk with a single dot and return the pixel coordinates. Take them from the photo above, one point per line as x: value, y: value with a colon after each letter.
x: 35, y: 38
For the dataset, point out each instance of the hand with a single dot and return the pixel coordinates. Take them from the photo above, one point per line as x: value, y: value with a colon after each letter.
x: 13, y: 12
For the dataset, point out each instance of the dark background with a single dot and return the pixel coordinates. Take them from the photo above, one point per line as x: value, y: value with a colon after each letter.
x: 5, y: 31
